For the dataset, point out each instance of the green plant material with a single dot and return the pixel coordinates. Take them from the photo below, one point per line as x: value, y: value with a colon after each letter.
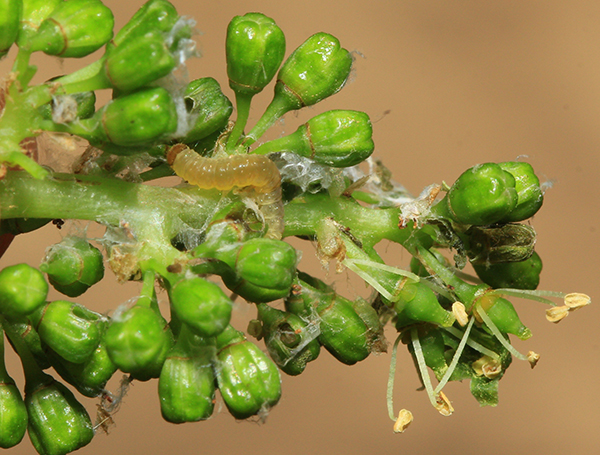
x: 155, y: 15
x: 136, y: 119
x: 264, y: 270
x: 10, y: 18
x: 254, y: 50
x: 73, y: 266
x: 317, y: 69
x: 138, y: 340
x: 433, y: 348
x: 503, y: 314
x: 291, y: 342
x: 499, y: 244
x: 482, y: 195
x: 136, y: 63
x: 58, y: 423
x: 23, y: 290
x: 516, y: 275
x: 335, y: 138
x: 186, y: 386
x: 201, y: 305
x: 34, y: 13
x: 89, y: 377
x: 67, y: 108
x: 23, y: 329
x: 342, y: 331
x: 248, y: 380
x: 230, y: 221
x: 529, y: 191
x: 209, y: 108
x: 254, y: 47
x: 70, y: 329
x: 416, y: 302
x: 13, y: 413
x: 74, y: 29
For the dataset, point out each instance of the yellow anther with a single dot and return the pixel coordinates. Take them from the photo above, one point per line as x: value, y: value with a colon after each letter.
x: 404, y: 419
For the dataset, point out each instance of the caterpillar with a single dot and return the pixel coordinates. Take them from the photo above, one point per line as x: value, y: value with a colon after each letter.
x: 257, y: 173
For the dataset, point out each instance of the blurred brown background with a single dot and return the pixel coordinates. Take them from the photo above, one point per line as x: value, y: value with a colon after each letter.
x: 447, y: 85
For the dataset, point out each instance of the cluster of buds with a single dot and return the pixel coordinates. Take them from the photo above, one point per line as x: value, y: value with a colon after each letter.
x: 229, y: 223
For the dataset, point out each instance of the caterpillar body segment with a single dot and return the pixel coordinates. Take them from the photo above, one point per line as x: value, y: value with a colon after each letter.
x: 256, y: 174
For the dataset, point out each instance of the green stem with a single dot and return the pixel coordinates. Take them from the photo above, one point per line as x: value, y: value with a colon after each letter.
x: 104, y: 200
x: 303, y: 217
x: 278, y: 107
x: 242, y: 102
x: 21, y: 67
x: 465, y: 292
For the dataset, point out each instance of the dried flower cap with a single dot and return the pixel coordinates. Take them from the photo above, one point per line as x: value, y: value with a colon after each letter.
x: 404, y: 419
x: 575, y: 300
x: 533, y: 358
x: 460, y: 313
x: 443, y: 405
x: 487, y: 366
x: 557, y: 314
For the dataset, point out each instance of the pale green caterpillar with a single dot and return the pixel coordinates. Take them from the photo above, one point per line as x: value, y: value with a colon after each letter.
x: 256, y: 173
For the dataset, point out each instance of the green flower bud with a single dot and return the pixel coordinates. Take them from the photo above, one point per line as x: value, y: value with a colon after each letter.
x: 34, y: 13
x: 209, y: 108
x: 139, y: 62
x: 317, y: 69
x: 503, y: 315
x: 530, y: 195
x: 516, y: 275
x: 89, y: 377
x: 334, y: 138
x: 186, y: 386
x: 23, y: 289
x: 70, y: 329
x: 138, y: 341
x: 10, y: 18
x: 67, y: 108
x: 505, y: 243
x: 74, y: 29
x: 264, y: 270
x: 255, y: 47
x: 417, y: 302
x: 13, y: 414
x: 482, y: 195
x: 139, y: 118
x: 291, y: 342
x: 248, y: 380
x: 22, y: 327
x: 223, y: 241
x: 202, y: 305
x: 73, y: 266
x: 155, y: 15
x: 343, y: 332
x: 58, y: 423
